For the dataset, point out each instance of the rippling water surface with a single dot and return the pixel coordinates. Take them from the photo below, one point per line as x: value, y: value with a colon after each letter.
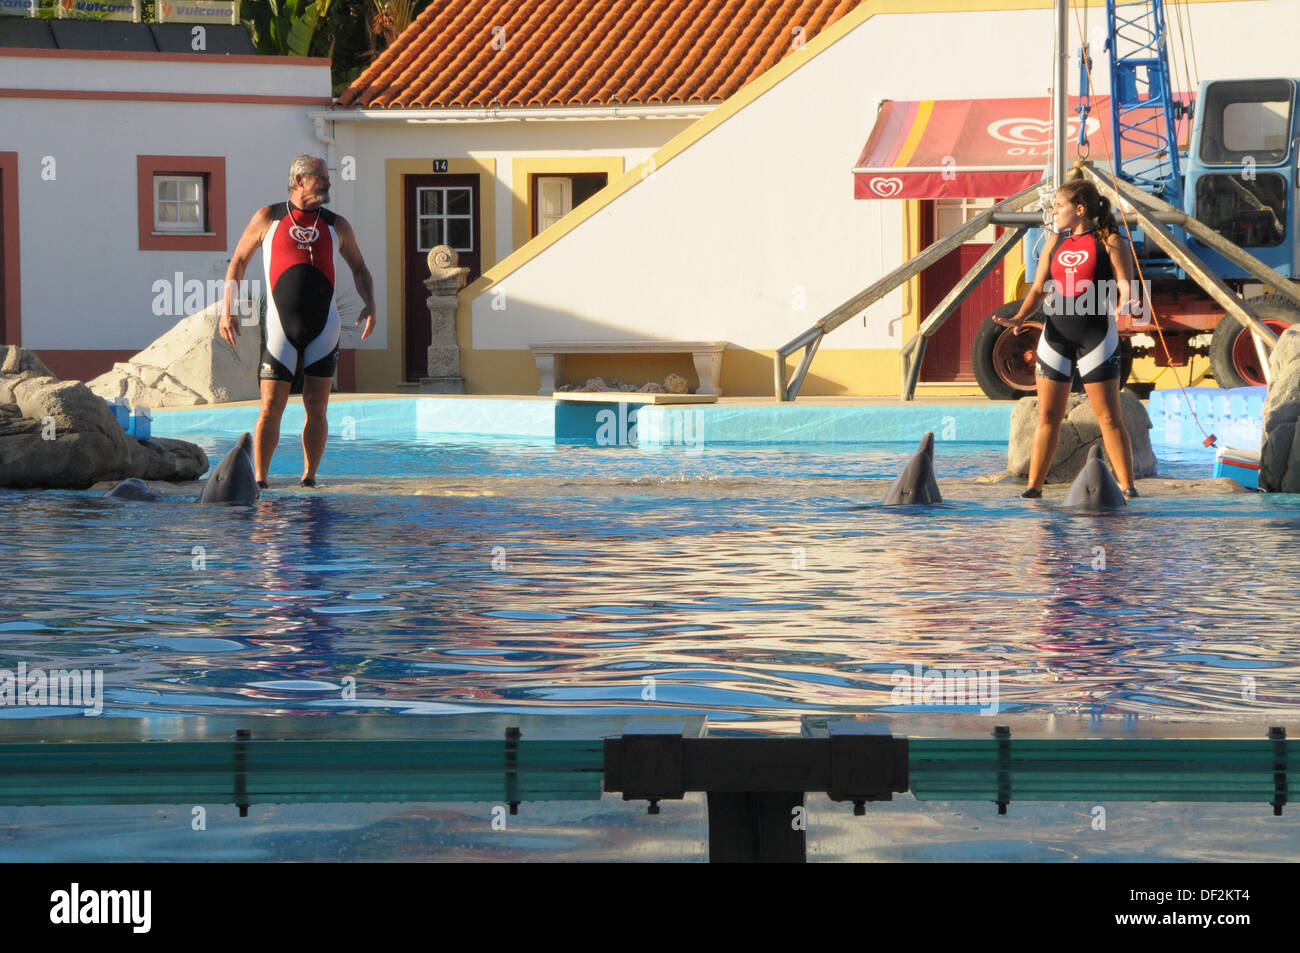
x: 740, y: 584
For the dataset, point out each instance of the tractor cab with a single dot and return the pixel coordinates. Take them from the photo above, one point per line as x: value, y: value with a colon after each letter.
x: 1241, y: 172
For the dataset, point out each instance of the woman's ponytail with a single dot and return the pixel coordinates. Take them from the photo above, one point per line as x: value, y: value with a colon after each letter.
x: 1105, y: 217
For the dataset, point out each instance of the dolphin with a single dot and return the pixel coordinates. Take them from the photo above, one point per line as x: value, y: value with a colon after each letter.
x: 1094, y: 488
x: 134, y: 489
x: 232, y: 481
x: 916, y: 484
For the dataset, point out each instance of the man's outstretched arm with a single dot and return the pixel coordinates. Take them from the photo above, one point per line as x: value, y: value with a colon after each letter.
x: 244, y: 252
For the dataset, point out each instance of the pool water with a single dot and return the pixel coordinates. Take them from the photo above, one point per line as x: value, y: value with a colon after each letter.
x: 753, y: 586
x: 447, y: 455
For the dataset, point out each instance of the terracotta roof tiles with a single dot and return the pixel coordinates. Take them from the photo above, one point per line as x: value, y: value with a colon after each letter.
x: 480, y: 53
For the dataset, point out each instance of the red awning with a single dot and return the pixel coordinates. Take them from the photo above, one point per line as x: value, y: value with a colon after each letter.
x: 967, y: 148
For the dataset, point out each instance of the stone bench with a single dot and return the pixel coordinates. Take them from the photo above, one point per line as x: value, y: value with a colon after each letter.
x: 707, y: 356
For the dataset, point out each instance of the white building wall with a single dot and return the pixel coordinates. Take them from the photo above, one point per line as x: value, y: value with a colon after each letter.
x: 729, y: 237
x: 364, y: 200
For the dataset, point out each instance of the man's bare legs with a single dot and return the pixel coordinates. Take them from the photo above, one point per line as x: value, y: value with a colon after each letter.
x: 275, y: 394
x: 315, y: 400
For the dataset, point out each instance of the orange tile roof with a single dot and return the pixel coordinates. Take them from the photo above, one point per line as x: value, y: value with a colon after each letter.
x: 585, y: 52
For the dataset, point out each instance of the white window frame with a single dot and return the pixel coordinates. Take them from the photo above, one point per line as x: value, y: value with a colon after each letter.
x: 970, y: 208
x: 444, y: 217
x: 565, y: 184
x: 198, y: 227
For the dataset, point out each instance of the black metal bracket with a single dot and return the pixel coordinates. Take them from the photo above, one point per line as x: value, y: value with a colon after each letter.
x: 867, y: 763
x: 242, y: 737
x: 859, y: 765
x: 756, y: 786
x: 513, y: 734
x: 1278, y: 737
x: 1003, y: 734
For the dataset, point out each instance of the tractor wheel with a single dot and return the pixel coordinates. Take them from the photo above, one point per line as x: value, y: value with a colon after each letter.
x: 1003, y: 359
x: 1233, y: 360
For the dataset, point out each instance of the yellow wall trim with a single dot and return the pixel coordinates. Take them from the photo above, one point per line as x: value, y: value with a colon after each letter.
x: 522, y: 168
x: 382, y: 370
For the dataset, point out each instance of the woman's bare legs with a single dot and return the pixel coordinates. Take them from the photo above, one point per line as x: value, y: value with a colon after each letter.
x: 1104, y: 396
x: 1052, y: 398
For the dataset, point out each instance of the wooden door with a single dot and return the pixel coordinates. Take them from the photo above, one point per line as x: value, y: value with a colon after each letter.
x: 948, y: 352
x: 437, y: 210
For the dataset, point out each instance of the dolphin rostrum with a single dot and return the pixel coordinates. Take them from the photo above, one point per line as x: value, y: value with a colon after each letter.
x: 1094, y: 488
x: 916, y: 484
x: 232, y: 481
x: 134, y: 489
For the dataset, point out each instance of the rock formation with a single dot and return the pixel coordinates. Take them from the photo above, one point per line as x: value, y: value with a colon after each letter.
x: 58, y: 434
x: 1279, y: 455
x: 1079, y: 431
x: 188, y: 365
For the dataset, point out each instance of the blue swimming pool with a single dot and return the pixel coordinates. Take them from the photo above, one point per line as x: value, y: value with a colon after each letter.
x: 753, y: 585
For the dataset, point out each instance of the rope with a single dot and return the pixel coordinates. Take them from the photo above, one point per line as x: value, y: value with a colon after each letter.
x: 1188, y: 65
x: 1191, y: 40
x: 1128, y: 235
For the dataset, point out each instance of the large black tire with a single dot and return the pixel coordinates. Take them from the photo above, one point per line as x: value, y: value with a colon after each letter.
x: 995, y: 374
x: 985, y: 357
x: 1233, y: 361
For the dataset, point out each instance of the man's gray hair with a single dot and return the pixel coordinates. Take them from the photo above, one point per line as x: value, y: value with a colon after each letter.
x: 304, y: 165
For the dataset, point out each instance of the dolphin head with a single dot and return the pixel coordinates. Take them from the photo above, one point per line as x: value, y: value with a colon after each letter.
x: 916, y: 484
x: 1094, y: 488
x: 232, y: 480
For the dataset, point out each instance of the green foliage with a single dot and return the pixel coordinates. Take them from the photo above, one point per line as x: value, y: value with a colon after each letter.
x: 283, y: 27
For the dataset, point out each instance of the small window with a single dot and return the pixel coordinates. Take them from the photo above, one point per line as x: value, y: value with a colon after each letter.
x: 178, y: 203
x: 444, y: 216
x: 1244, y: 211
x: 1246, y: 119
x: 555, y: 196
x: 952, y: 214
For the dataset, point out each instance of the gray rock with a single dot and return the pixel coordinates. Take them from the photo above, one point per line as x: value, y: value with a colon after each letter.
x: 1279, y: 454
x: 1079, y: 432
x: 187, y: 366
x: 59, y: 434
x: 18, y: 364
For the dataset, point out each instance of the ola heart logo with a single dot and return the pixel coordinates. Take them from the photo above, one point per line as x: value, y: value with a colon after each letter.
x: 1035, y: 132
x: 886, y: 188
x: 1072, y: 259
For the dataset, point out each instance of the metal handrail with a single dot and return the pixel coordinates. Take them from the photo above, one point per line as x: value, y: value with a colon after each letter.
x: 788, y: 389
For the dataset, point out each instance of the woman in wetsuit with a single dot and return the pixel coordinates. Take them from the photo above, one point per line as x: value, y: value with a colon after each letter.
x: 1083, y: 271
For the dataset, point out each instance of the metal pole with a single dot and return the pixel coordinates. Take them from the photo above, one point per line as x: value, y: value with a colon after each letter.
x: 1060, y: 91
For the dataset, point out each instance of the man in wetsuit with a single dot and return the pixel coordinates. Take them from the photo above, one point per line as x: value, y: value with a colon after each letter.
x: 301, y: 244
